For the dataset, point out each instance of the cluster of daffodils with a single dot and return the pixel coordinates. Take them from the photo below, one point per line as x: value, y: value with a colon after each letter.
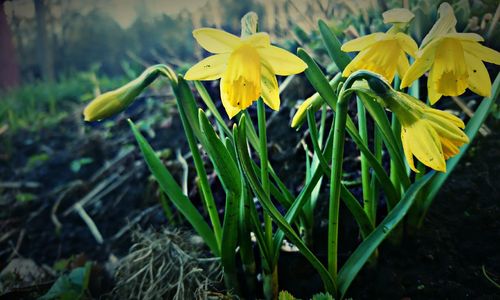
x: 455, y: 63
x: 247, y: 67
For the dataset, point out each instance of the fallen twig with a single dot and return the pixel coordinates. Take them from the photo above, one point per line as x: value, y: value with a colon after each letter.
x: 90, y: 223
x: 19, y: 184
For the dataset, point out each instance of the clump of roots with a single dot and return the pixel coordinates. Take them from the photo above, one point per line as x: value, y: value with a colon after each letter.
x: 165, y: 265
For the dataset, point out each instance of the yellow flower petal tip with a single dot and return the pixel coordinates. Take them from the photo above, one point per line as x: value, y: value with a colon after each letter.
x: 454, y: 60
x: 430, y: 135
x: 398, y: 15
x: 246, y: 66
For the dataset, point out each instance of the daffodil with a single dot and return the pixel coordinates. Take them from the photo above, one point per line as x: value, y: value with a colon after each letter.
x: 454, y: 60
x: 383, y: 53
x: 429, y: 134
x: 246, y: 66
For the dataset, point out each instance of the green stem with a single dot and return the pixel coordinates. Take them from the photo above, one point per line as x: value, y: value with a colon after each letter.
x: 396, y: 128
x: 270, y: 283
x: 365, y: 167
x: 335, y: 184
x: 264, y: 171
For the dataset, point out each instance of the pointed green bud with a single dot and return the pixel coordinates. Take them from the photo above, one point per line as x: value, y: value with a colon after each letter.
x: 113, y: 102
x: 315, y: 102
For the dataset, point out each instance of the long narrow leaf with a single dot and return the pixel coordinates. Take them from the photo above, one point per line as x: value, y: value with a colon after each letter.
x: 273, y: 211
x: 174, y: 192
x: 363, y: 252
x: 333, y: 46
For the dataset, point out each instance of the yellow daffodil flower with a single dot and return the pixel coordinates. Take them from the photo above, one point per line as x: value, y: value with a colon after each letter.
x: 429, y: 134
x: 455, y: 60
x: 247, y: 67
x: 383, y: 53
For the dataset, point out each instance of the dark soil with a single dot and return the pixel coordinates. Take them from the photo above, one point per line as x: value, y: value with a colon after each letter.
x: 459, y: 237
x: 443, y: 260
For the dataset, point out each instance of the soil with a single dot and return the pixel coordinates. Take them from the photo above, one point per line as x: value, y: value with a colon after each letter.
x: 443, y: 260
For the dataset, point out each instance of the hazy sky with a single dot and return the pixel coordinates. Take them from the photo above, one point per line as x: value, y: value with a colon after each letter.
x: 123, y: 11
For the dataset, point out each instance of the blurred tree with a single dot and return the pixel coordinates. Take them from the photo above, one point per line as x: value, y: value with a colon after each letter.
x: 9, y: 70
x: 44, y: 49
x: 93, y: 39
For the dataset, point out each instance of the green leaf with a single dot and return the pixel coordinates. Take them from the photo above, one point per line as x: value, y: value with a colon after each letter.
x: 285, y: 295
x: 189, y: 118
x: 363, y: 252
x: 393, y: 146
x: 333, y: 46
x: 242, y: 150
x: 211, y: 106
x: 322, y: 296
x: 229, y: 175
x: 226, y: 168
x: 71, y: 286
x: 174, y: 192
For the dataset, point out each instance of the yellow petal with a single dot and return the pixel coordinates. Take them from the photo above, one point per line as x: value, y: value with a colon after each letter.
x: 422, y: 63
x: 407, y: 43
x: 464, y: 36
x: 242, y: 83
x: 403, y: 64
x: 407, y: 150
x: 433, y: 94
x: 445, y: 115
x: 270, y: 88
x: 397, y: 15
x: 363, y: 42
x: 426, y: 145
x: 479, y: 80
x: 449, y: 148
x: 447, y: 129
x: 215, y: 40
x: 210, y: 68
x: 482, y: 52
x: 230, y: 110
x: 378, y: 58
x: 445, y: 24
x: 282, y: 61
x: 258, y: 40
x: 449, y: 68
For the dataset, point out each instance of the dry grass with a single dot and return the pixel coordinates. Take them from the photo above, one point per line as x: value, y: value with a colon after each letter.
x: 165, y: 265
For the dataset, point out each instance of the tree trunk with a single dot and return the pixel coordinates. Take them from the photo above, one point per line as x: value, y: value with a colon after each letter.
x: 44, y: 53
x: 9, y: 71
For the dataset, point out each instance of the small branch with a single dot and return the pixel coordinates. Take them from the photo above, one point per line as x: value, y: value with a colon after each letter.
x: 90, y: 223
x: 484, y: 130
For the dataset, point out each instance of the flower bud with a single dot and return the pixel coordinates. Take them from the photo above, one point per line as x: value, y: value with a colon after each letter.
x: 113, y: 102
x: 314, y: 101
